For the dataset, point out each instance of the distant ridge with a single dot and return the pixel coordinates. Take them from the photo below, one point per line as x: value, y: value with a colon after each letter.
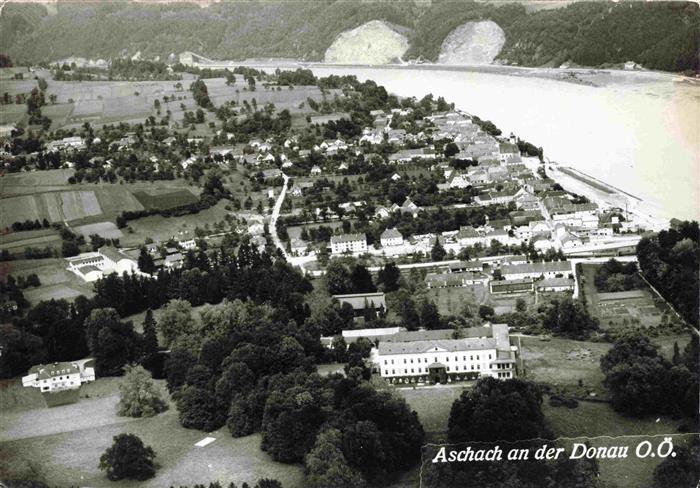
x: 657, y: 35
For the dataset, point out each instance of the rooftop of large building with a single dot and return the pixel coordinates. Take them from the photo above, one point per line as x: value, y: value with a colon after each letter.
x: 347, y: 238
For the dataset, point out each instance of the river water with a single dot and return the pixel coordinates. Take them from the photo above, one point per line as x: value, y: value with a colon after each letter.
x: 639, y: 132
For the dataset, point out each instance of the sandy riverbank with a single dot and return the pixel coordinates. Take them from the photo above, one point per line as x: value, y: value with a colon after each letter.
x: 606, y: 196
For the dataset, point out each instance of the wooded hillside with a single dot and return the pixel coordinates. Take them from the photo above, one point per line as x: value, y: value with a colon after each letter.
x: 658, y: 35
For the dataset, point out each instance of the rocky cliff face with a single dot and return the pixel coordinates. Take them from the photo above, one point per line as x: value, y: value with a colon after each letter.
x: 372, y: 43
x: 472, y: 43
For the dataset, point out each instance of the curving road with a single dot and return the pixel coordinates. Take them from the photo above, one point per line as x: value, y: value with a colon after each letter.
x: 275, y: 215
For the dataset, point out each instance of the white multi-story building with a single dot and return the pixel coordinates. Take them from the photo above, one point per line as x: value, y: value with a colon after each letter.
x: 391, y: 237
x: 486, y: 352
x: 59, y: 376
x: 348, y: 243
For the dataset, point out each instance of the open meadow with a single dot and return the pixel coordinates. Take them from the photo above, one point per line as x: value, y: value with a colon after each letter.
x: 433, y: 404
x: 451, y: 301
x: 56, y: 281
x: 62, y: 445
x: 596, y: 423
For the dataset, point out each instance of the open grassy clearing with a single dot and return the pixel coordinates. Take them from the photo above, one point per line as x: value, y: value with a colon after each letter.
x: 563, y: 362
x: 34, y: 180
x: 53, y: 206
x: 108, y: 230
x: 12, y: 237
x: 51, y: 271
x: 17, y: 246
x: 161, y: 228
x: 506, y: 303
x: 53, y: 199
x: 18, y: 209
x: 59, y: 114
x: 13, y: 113
x: 593, y: 419
x: 56, y: 281
x: 451, y: 301
x: 115, y: 199
x: 161, y: 200
x: 51, y: 292
x: 433, y: 404
x: 69, y: 444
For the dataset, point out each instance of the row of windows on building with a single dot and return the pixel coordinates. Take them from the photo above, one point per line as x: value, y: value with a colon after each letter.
x: 420, y: 370
x: 504, y: 375
x: 59, y: 378
x: 447, y: 359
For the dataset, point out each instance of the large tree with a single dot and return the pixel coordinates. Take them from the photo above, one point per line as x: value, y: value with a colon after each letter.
x: 199, y: 409
x: 113, y: 343
x: 496, y: 410
x: 128, y: 458
x: 138, y: 395
x: 176, y: 320
x: 388, y: 277
x: 326, y: 465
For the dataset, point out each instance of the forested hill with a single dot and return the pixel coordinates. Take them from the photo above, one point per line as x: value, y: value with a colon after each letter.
x: 658, y: 35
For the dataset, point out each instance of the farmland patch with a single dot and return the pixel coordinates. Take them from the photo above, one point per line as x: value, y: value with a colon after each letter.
x: 115, y: 199
x: 18, y: 209
x: 157, y: 200
x: 79, y: 204
x: 108, y: 230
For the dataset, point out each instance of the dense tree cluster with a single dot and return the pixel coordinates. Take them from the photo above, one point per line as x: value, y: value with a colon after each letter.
x: 616, y: 276
x: 642, y: 382
x: 200, y: 94
x: 341, y: 278
x: 588, y: 34
x: 681, y: 470
x: 568, y: 317
x: 496, y: 410
x: 670, y: 261
x: 492, y: 412
x: 242, y: 365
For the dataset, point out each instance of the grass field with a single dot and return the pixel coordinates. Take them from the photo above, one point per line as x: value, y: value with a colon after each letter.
x: 592, y: 419
x: 563, y: 362
x: 56, y: 281
x: 433, y: 404
x: 62, y: 446
x: 161, y: 228
x: 162, y: 200
x: 108, y: 230
x: 16, y: 209
x: 33, y: 182
x: 115, y: 199
x: 451, y: 301
x: 53, y: 206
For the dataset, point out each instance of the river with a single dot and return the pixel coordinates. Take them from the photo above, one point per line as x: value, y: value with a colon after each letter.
x: 639, y: 132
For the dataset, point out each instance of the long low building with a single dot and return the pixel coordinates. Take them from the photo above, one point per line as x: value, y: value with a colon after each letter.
x: 91, y: 266
x: 443, y: 360
x: 553, y: 269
